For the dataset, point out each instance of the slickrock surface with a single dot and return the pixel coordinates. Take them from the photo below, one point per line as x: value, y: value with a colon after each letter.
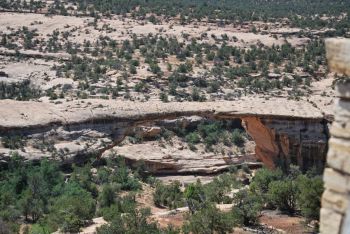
x: 15, y: 114
x: 166, y: 160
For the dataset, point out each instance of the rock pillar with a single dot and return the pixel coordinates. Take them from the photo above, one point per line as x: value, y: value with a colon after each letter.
x: 335, y: 211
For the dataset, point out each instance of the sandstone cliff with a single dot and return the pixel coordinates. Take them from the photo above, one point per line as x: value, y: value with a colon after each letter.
x: 291, y: 133
x: 288, y: 141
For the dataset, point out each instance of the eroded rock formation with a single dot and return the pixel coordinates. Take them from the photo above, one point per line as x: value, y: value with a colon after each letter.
x: 70, y: 131
x: 282, y: 142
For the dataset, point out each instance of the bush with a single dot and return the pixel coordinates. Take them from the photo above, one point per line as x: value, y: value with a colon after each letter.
x: 122, y: 205
x: 23, y: 91
x: 283, y: 194
x: 133, y: 69
x: 291, y: 191
x: 208, y: 220
x: 168, y: 195
x: 194, y: 191
x: 164, y: 97
x: 13, y: 142
x: 237, y: 138
x: 107, y: 196
x: 193, y: 138
x: 109, y: 213
x: 246, y: 209
x: 72, y: 209
x: 262, y: 179
x: 309, y: 198
x: 83, y: 177
x: 40, y: 229
x: 140, y: 87
x: 214, y: 86
x: 155, y: 69
x: 121, y: 176
x: 102, y: 175
x: 137, y: 221
x: 205, y: 129
x: 217, y: 191
x: 195, y: 95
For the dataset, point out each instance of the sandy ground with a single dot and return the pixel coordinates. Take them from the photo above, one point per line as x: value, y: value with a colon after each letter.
x: 126, y: 27
x: 40, y: 72
x: 288, y: 224
x: 97, y: 222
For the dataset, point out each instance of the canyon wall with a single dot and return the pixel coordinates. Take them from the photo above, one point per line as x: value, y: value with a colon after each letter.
x: 335, y: 212
x: 282, y: 142
x: 77, y: 130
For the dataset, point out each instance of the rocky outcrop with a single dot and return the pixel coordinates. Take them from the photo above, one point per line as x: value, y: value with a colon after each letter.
x: 265, y: 139
x: 293, y: 133
x: 282, y: 142
x: 180, y: 160
x: 335, y: 212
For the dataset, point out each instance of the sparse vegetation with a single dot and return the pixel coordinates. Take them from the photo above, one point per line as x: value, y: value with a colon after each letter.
x: 22, y: 91
x: 157, y: 51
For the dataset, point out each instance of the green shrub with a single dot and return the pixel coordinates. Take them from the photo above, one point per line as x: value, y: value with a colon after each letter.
x: 102, y: 175
x: 140, y: 87
x: 195, y: 95
x: 208, y: 220
x: 168, y: 195
x: 121, y: 174
x: 237, y: 138
x: 122, y: 205
x: 164, y: 97
x: 83, y: 177
x: 246, y: 168
x: 72, y: 209
x: 107, y: 196
x: 247, y: 207
x: 263, y: 177
x: 217, y: 191
x: 283, y: 194
x: 22, y: 91
x: 137, y: 221
x: 13, y: 142
x: 40, y: 229
x: 214, y: 86
x: 193, y: 138
x: 309, y: 197
x: 194, y: 191
x: 133, y: 69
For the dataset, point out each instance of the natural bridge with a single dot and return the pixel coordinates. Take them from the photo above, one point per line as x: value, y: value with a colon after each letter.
x: 285, y: 131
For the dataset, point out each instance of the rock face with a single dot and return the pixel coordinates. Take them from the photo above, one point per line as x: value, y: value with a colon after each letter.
x: 265, y: 138
x: 282, y: 142
x: 179, y: 161
x: 72, y: 131
x: 335, y: 212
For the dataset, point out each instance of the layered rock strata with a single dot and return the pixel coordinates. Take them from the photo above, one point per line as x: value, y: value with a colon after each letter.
x: 292, y: 133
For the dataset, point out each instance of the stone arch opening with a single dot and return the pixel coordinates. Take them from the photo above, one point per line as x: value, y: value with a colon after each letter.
x: 281, y: 139
x: 187, y: 145
x: 279, y: 142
